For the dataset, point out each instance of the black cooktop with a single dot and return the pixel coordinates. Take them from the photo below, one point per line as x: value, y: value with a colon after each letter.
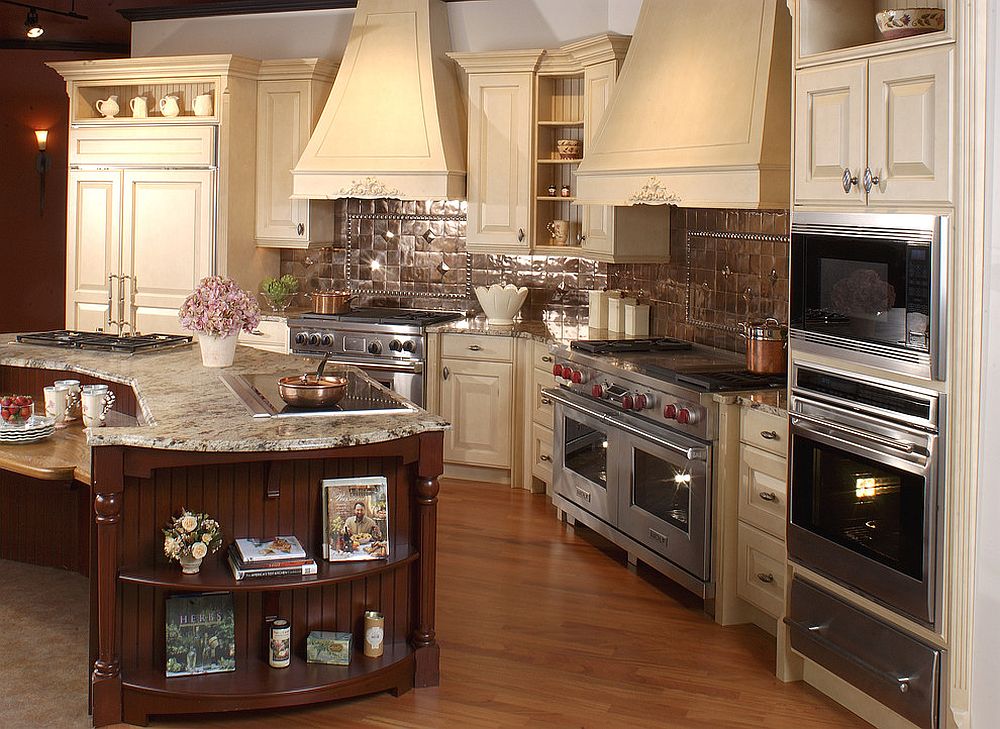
x: 725, y: 381
x: 620, y: 346
x: 378, y: 315
x: 102, y: 341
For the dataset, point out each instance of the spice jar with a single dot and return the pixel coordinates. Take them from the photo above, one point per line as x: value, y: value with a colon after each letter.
x: 564, y: 192
x: 552, y: 190
x: 279, y: 654
x: 374, y: 633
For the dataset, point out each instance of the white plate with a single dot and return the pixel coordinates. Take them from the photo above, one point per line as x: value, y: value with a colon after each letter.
x: 33, y: 436
x: 32, y: 439
x: 35, y: 422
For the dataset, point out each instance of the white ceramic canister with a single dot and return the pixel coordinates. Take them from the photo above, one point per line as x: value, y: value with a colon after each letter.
x: 597, y: 314
x: 637, y: 320
x: 616, y: 313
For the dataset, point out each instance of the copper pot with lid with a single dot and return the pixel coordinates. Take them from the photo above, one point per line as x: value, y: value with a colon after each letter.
x: 767, y: 346
x: 332, y: 302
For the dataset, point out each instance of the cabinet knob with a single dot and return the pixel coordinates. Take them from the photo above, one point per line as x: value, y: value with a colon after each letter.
x: 766, y: 577
x: 546, y: 358
x: 301, y: 229
x: 543, y: 457
x: 848, y: 181
x: 769, y: 435
x: 520, y: 235
x: 768, y: 496
x: 580, y: 237
x: 446, y: 373
x: 546, y: 401
x: 871, y: 180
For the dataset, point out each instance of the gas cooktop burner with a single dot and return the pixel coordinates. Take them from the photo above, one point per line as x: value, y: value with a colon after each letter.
x: 728, y: 381
x: 375, y: 315
x: 616, y: 346
x: 70, y: 339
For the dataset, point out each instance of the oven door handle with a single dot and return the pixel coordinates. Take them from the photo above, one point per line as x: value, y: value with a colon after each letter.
x: 692, y: 454
x: 412, y: 368
x: 857, y: 433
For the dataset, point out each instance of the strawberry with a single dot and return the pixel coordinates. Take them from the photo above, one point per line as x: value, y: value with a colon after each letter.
x: 26, y: 412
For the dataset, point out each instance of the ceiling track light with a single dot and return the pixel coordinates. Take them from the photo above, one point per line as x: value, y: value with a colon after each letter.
x: 31, y: 26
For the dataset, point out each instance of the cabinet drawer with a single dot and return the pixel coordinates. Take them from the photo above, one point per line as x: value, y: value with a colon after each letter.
x: 763, y: 490
x: 166, y: 146
x: 541, y: 409
x: 761, y: 578
x: 542, y: 358
x: 269, y: 335
x: 764, y: 430
x: 541, y: 453
x: 474, y: 346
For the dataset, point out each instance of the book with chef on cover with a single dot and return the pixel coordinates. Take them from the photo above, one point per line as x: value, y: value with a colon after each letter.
x: 269, y: 550
x: 200, y: 634
x: 355, y: 518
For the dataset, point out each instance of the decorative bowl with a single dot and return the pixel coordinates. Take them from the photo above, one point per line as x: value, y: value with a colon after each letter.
x: 569, y: 148
x: 501, y: 303
x: 905, y: 22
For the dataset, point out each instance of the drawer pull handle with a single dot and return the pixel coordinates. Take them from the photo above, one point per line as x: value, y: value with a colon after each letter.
x: 300, y: 229
x: 546, y: 358
x: 768, y: 435
x: 446, y: 373
x: 546, y: 401
x: 547, y: 459
x: 475, y: 348
x: 766, y: 577
x: 768, y: 496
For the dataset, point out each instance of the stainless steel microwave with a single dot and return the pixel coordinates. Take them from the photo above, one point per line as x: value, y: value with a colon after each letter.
x: 870, y: 289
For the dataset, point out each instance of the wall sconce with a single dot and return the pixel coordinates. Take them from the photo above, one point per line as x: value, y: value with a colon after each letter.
x: 32, y: 28
x: 42, y: 165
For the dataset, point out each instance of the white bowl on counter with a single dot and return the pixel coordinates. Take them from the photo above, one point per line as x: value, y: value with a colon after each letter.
x: 501, y: 303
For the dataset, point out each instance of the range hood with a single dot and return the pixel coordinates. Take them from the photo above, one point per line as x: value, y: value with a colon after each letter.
x: 701, y: 113
x: 394, y: 124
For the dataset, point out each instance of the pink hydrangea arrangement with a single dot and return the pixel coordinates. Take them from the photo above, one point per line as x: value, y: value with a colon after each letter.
x: 218, y: 306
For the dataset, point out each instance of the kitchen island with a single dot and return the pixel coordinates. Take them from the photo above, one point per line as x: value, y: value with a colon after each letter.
x: 180, y: 439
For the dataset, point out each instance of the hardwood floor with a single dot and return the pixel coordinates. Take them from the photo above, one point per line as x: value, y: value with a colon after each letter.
x: 540, y: 627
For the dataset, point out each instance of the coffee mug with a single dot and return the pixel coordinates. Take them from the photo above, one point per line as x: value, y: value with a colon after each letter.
x: 97, y: 401
x: 169, y: 107
x: 72, y: 399
x: 56, y: 403
x: 138, y: 106
x: 203, y: 105
x: 558, y: 232
x: 108, y: 107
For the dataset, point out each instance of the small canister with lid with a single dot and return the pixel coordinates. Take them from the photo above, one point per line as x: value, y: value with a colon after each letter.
x: 374, y: 633
x: 279, y: 653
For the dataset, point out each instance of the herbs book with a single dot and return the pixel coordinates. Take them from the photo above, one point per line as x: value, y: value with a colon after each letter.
x: 355, y: 518
x: 200, y: 634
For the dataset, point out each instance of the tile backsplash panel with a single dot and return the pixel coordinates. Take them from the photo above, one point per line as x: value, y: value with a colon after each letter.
x: 422, y: 261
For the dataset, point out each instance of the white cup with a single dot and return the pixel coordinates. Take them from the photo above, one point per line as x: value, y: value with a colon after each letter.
x: 72, y: 399
x: 138, y: 106
x: 97, y: 401
x: 56, y: 403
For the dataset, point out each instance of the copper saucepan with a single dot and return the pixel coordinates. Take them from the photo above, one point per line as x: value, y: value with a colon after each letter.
x: 332, y: 302
x: 312, y: 391
x: 767, y: 346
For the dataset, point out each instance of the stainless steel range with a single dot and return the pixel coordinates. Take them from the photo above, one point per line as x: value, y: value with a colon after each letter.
x: 634, y: 443
x: 388, y: 344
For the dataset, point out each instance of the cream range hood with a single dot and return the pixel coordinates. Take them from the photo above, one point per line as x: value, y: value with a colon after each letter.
x: 394, y: 124
x: 701, y: 113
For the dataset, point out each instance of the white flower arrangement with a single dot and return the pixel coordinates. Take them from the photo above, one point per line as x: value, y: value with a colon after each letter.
x: 191, y: 535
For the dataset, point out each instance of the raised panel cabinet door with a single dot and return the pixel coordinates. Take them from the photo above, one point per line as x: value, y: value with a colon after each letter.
x: 910, y: 127
x: 598, y: 220
x: 499, y: 180
x: 167, y: 242
x: 93, y: 246
x: 830, y: 134
x: 283, y: 127
x: 476, y: 399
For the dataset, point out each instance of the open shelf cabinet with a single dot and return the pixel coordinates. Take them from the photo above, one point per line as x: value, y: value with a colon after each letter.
x: 559, y: 107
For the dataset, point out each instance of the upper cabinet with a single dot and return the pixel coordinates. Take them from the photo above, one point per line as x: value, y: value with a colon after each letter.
x: 875, y: 132
x: 290, y: 98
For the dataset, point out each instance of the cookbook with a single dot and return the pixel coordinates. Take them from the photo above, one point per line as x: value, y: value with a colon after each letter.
x: 355, y: 518
x: 269, y: 550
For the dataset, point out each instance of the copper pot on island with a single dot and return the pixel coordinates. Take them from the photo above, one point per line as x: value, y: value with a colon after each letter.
x: 767, y: 346
x: 332, y: 302
x: 312, y: 391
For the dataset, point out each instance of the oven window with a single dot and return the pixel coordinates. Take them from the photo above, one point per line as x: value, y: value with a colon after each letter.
x: 866, y: 506
x: 661, y: 489
x: 587, y: 452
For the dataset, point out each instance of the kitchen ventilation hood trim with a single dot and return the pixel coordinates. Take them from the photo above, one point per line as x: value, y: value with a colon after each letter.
x: 394, y: 123
x: 744, y: 160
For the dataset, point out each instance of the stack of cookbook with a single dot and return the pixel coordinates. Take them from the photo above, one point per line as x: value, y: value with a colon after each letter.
x: 275, y: 557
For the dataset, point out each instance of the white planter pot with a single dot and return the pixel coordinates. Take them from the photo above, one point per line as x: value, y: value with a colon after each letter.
x: 217, y: 351
x: 190, y: 565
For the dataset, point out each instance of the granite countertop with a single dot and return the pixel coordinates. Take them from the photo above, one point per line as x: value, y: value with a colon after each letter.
x: 774, y: 402
x: 187, y: 407
x: 552, y: 328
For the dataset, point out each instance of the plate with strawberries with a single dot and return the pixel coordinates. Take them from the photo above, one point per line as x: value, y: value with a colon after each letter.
x: 18, y: 422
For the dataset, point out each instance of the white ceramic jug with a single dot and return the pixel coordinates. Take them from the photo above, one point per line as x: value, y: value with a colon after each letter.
x: 169, y: 107
x: 203, y: 105
x: 108, y: 107
x: 138, y: 106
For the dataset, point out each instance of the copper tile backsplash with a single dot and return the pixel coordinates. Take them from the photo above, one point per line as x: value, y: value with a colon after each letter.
x: 422, y: 261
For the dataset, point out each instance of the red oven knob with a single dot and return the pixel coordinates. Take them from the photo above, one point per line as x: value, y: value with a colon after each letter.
x: 670, y: 411
x: 597, y: 391
x: 688, y: 417
x: 577, y: 377
x: 641, y: 402
x: 557, y: 370
x: 627, y: 402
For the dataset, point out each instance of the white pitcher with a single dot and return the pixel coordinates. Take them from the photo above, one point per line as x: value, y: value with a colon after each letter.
x: 138, y: 106
x: 203, y: 105
x: 169, y: 107
x: 108, y: 107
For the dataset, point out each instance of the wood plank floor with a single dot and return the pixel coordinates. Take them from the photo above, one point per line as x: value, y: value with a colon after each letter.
x: 540, y: 626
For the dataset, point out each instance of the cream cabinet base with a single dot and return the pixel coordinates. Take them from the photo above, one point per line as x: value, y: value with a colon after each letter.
x: 477, y: 473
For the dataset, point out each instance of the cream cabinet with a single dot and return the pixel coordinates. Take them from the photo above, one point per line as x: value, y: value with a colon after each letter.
x: 271, y: 335
x: 476, y: 400
x: 290, y: 98
x: 138, y: 241
x: 876, y: 132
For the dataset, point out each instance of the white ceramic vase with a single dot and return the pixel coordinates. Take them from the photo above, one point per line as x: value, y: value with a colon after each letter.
x: 501, y: 303
x: 217, y: 351
x: 190, y: 565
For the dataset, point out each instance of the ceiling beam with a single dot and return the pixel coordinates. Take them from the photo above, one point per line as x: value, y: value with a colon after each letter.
x: 233, y: 7
x: 26, y: 44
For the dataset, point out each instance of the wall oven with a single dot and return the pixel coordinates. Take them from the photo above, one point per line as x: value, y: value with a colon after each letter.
x: 865, y: 487
x: 648, y: 482
x: 870, y: 288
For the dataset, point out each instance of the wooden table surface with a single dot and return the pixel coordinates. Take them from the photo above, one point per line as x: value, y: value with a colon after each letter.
x: 64, y: 456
